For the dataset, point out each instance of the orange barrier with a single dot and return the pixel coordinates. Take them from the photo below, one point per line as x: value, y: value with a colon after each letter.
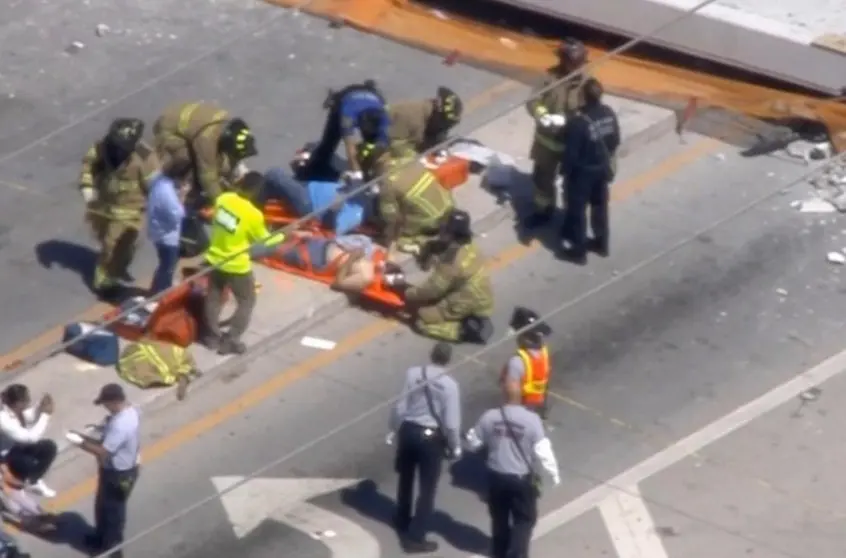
x: 458, y: 38
x: 376, y: 291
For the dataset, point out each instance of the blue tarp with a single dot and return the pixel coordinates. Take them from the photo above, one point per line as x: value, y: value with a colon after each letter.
x: 351, y: 214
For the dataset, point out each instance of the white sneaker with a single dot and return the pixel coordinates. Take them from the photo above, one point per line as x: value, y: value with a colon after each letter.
x: 41, y: 488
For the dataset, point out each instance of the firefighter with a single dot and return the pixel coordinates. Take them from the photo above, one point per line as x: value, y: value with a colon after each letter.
x: 456, y: 301
x: 342, y: 123
x: 550, y: 111
x: 529, y: 369
x: 113, y: 182
x: 208, y: 136
x: 411, y: 202
x: 426, y: 123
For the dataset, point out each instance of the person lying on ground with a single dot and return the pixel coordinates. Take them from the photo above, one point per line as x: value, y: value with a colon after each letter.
x: 22, y: 428
x: 351, y: 256
x: 17, y: 501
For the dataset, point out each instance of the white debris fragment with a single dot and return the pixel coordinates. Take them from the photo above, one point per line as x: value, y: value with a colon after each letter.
x: 75, y: 47
x: 836, y: 258
x: 102, y: 30
x: 816, y: 152
x: 720, y: 156
x: 317, y: 343
x: 796, y: 204
x: 816, y: 205
x: 781, y: 292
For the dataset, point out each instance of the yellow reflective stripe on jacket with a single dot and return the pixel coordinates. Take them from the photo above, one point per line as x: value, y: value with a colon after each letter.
x: 530, y: 385
x: 540, y: 110
x: 185, y: 118
x: 145, y: 353
x: 548, y: 142
x: 154, y: 357
x: 218, y: 118
x: 415, y: 195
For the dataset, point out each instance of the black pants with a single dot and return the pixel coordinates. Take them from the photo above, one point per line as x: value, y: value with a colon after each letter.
x: 580, y: 193
x: 38, y: 456
x: 513, y: 507
x: 113, y: 490
x: 420, y: 451
x: 321, y: 156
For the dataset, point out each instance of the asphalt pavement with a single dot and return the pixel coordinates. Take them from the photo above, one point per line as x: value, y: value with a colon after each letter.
x: 270, y: 66
x: 716, y: 291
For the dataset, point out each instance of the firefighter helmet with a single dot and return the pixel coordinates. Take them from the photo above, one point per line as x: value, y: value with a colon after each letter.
x: 237, y: 140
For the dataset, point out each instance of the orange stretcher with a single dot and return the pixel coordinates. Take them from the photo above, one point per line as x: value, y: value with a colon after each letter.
x: 375, y: 292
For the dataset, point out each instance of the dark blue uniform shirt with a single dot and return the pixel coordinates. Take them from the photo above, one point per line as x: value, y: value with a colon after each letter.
x: 591, y: 138
x: 353, y: 103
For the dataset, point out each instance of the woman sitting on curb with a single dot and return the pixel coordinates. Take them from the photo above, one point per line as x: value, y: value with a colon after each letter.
x: 22, y: 428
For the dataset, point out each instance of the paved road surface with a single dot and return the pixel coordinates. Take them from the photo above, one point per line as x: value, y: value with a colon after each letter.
x: 267, y: 65
x: 652, y: 346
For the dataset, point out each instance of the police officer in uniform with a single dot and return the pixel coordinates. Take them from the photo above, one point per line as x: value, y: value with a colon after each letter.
x: 456, y: 300
x: 550, y: 111
x: 342, y: 124
x: 213, y: 141
x: 427, y: 424
x: 515, y: 442
x: 238, y: 227
x: 118, y: 454
x: 591, y: 140
x: 113, y: 183
x: 529, y: 369
x: 425, y: 123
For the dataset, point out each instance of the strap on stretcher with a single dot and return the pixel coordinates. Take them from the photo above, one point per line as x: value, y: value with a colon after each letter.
x: 376, y: 291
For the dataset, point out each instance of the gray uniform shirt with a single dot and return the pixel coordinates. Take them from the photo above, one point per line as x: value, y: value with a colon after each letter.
x: 412, y: 405
x: 503, y: 453
x: 121, y: 438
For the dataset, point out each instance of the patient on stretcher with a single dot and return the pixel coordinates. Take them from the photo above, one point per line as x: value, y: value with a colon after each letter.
x: 351, y: 258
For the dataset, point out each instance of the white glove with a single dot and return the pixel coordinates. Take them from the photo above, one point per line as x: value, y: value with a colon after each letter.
x: 552, y: 120
x: 88, y: 194
x: 73, y: 437
x: 356, y: 176
x: 389, y: 439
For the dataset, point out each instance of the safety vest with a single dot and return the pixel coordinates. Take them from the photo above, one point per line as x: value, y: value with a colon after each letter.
x: 236, y: 224
x: 536, y: 376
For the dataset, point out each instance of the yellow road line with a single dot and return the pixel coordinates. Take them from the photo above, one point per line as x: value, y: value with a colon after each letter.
x: 254, y: 397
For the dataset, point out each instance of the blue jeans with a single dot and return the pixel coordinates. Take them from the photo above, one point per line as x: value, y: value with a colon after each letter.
x: 163, y: 276
x: 316, y: 249
x: 280, y: 185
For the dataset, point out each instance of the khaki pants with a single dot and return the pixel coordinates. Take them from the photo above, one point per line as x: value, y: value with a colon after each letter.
x: 243, y: 288
x: 118, y: 241
x: 544, y: 177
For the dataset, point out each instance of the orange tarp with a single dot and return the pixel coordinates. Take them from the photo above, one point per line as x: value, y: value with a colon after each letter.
x: 651, y: 81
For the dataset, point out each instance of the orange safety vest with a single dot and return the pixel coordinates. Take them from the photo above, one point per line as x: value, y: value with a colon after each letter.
x: 536, y: 376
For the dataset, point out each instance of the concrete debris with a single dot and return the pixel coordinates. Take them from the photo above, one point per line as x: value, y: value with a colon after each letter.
x: 102, y: 30
x: 840, y: 203
x: 815, y: 205
x: 720, y: 156
x: 816, y: 152
x: 75, y: 47
x: 781, y: 292
x: 811, y: 394
x: 836, y: 258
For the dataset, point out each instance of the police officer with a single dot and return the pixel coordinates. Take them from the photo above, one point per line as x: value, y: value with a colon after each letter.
x: 237, y: 225
x: 118, y: 455
x: 113, y: 183
x: 342, y: 123
x: 427, y: 423
x: 425, y: 123
x: 588, y: 166
x: 211, y: 139
x: 514, y: 438
x: 550, y: 111
x: 529, y: 369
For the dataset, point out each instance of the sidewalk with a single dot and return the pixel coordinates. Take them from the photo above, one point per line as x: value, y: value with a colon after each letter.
x: 287, y: 306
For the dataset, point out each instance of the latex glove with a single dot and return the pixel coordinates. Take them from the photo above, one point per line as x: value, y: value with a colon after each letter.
x: 73, y: 437
x: 389, y: 439
x: 88, y: 194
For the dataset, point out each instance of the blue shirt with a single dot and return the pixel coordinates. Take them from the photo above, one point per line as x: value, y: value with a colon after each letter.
x: 353, y: 104
x: 164, y: 211
x: 121, y: 438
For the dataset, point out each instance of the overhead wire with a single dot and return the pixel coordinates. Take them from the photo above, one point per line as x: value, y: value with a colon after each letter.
x: 48, y: 352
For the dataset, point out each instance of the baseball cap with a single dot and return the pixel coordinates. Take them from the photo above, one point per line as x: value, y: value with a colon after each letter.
x: 110, y: 393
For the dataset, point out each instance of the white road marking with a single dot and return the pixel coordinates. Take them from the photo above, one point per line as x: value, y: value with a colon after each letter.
x: 720, y: 428
x: 630, y: 525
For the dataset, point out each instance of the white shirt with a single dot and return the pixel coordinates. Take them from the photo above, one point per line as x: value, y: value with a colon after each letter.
x: 28, y: 433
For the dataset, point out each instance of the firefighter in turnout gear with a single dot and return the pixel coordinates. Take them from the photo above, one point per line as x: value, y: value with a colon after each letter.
x: 411, y: 200
x: 529, y: 369
x: 456, y: 301
x: 423, y: 124
x: 113, y: 183
x: 550, y: 111
x: 214, y: 142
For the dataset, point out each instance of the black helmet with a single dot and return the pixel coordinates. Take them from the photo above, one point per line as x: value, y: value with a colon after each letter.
x: 448, y: 103
x: 370, y: 124
x: 529, y: 325
x: 122, y: 139
x: 237, y: 141
x: 456, y: 225
x: 573, y: 52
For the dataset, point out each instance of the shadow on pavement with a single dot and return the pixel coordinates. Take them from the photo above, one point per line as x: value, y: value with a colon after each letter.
x: 366, y: 499
x: 71, y: 529
x: 67, y: 255
x: 469, y: 473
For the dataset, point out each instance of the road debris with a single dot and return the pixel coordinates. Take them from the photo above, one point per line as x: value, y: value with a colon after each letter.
x: 317, y: 343
x: 75, y: 47
x: 836, y: 258
x: 816, y: 152
x: 102, y: 30
x: 781, y: 292
x: 811, y: 394
x: 814, y: 205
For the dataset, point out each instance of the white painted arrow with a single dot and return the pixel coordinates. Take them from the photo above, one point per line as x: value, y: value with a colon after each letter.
x: 285, y: 500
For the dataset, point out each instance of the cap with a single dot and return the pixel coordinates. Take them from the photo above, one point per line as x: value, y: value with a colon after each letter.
x: 110, y: 393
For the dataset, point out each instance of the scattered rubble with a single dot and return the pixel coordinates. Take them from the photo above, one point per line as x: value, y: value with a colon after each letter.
x: 102, y: 30
x: 75, y: 47
x: 816, y: 152
x: 781, y: 292
x: 836, y: 258
x: 813, y: 205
